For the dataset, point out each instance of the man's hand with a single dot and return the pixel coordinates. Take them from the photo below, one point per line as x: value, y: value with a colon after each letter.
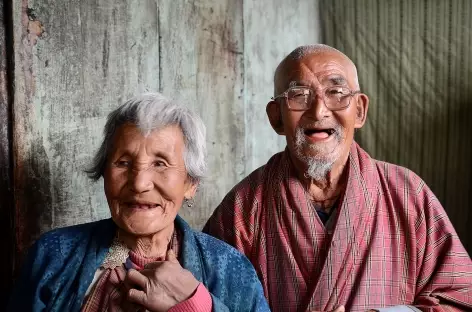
x: 338, y: 309
x: 161, y: 285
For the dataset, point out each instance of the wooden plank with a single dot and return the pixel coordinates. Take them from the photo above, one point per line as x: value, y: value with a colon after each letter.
x: 74, y: 62
x: 202, y: 67
x: 270, y: 33
x: 6, y: 190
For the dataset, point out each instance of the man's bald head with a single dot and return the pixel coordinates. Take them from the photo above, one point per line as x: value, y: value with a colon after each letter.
x: 302, y: 52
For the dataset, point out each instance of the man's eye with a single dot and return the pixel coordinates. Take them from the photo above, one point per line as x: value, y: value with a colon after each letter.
x: 335, y: 91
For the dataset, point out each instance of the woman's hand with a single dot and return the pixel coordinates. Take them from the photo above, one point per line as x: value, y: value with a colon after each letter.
x: 161, y: 285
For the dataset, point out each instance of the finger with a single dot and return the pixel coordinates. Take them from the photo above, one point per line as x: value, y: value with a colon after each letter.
x: 171, y: 257
x: 137, y: 296
x: 134, y: 277
x: 339, y: 309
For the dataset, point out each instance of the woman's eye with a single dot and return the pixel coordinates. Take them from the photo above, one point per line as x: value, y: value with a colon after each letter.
x: 159, y: 163
x: 123, y: 163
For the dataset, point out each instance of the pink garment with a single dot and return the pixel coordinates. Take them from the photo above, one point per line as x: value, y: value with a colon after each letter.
x: 199, y: 302
x: 392, y: 242
x: 109, y: 293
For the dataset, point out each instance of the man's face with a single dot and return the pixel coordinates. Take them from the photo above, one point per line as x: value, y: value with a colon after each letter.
x: 319, y: 137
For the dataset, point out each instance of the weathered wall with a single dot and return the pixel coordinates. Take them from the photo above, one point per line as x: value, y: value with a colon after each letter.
x: 76, y: 60
x: 6, y: 194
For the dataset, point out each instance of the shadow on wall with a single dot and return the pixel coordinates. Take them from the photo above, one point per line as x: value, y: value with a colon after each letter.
x: 33, y: 198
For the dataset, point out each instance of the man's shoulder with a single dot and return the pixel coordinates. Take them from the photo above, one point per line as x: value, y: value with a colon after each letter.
x: 399, y: 177
x: 257, y: 178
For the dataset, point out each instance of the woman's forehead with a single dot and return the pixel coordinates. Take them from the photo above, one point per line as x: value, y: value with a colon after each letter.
x: 165, y: 138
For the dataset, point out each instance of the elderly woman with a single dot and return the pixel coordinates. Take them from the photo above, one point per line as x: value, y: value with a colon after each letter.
x: 145, y: 257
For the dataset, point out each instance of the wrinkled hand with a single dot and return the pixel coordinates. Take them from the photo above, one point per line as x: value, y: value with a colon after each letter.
x: 338, y: 309
x: 161, y: 285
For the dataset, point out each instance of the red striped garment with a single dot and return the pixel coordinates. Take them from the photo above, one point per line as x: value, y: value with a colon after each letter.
x: 392, y: 242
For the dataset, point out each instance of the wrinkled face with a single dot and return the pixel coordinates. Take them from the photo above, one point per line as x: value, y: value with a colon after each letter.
x: 319, y: 137
x: 145, y: 179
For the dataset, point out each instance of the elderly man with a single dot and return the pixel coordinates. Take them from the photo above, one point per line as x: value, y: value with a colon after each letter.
x: 328, y: 227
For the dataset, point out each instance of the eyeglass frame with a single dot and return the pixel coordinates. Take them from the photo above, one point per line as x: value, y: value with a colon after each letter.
x: 285, y: 95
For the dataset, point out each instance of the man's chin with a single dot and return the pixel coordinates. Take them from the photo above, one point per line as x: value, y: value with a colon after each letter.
x: 319, y: 154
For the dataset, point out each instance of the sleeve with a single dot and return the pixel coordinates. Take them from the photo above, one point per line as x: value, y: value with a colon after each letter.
x: 398, y: 308
x: 259, y: 305
x: 201, y: 301
x: 26, y: 294
x: 233, y: 221
x: 444, y: 278
x: 229, y: 277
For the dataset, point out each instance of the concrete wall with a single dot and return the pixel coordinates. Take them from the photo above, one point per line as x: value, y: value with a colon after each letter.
x: 76, y: 60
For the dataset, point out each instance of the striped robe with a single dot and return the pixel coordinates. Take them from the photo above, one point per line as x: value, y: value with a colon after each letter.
x: 392, y: 242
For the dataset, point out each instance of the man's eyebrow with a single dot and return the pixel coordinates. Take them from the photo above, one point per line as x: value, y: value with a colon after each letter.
x: 336, y: 80
x: 295, y: 83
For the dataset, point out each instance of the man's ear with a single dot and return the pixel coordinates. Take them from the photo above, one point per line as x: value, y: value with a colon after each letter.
x: 362, y: 106
x: 274, y: 113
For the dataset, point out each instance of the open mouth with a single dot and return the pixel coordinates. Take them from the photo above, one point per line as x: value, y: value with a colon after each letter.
x: 319, y: 133
x: 135, y: 205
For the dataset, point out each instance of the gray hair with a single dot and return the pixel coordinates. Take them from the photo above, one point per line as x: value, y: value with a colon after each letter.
x: 148, y: 112
x: 300, y: 53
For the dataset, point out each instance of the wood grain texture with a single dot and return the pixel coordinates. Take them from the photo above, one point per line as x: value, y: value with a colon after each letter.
x: 6, y: 189
x: 203, y: 68
x: 77, y: 60
x: 414, y: 62
x: 270, y: 33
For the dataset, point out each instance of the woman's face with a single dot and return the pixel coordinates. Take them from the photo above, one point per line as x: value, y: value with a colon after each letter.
x: 145, y: 179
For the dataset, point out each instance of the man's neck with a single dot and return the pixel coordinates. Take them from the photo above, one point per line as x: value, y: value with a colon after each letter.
x: 325, y: 192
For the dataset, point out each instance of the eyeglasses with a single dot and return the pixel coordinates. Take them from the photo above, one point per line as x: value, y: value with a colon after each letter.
x: 301, y: 98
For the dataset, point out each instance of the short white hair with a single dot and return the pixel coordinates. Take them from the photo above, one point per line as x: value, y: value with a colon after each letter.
x: 150, y: 111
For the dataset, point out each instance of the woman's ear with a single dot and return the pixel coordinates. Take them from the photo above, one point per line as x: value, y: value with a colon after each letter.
x: 275, y: 117
x: 191, y: 189
x: 362, y: 106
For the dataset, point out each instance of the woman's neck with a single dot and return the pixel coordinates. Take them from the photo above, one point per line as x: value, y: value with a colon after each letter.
x: 149, y: 246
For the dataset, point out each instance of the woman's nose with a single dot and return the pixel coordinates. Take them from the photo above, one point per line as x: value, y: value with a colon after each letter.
x: 140, y: 180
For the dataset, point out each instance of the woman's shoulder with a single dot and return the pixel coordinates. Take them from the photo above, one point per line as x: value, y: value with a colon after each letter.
x: 228, y: 274
x: 77, y: 231
x: 67, y: 239
x: 208, y: 245
x: 216, y: 247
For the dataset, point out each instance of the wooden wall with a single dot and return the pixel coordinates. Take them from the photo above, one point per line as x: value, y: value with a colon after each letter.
x: 76, y: 60
x: 6, y: 166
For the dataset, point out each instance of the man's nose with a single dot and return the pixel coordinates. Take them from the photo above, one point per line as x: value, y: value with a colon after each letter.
x: 318, y: 109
